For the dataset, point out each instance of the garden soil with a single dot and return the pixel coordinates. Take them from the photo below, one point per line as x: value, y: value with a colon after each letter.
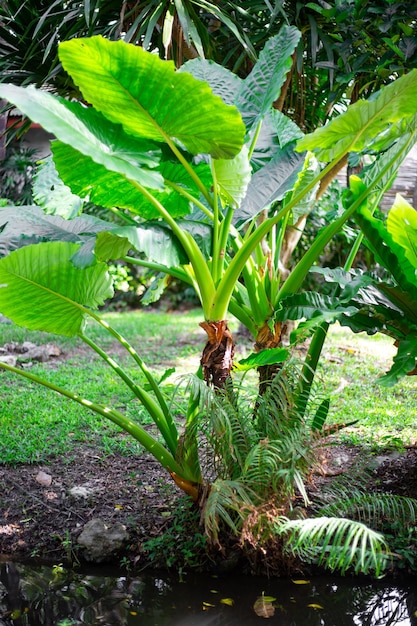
x: 43, y: 508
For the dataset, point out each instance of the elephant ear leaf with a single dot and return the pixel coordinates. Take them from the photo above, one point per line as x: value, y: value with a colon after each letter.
x: 262, y: 87
x: 50, y: 193
x: 365, y: 121
x: 41, y: 289
x: 150, y: 99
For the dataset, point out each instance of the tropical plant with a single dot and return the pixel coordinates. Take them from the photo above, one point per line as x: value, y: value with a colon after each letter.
x: 185, y: 154
x: 365, y: 302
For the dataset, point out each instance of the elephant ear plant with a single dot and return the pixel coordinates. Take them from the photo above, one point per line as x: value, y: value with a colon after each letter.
x: 193, y: 166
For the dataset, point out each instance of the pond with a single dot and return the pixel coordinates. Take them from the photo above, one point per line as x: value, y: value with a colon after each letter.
x: 53, y: 596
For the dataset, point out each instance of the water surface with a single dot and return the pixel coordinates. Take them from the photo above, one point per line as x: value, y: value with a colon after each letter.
x: 45, y: 596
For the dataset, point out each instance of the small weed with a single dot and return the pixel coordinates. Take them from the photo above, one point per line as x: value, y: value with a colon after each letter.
x: 181, y: 545
x: 403, y: 543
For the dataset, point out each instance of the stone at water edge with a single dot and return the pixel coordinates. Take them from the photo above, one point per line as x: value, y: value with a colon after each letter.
x: 100, y: 540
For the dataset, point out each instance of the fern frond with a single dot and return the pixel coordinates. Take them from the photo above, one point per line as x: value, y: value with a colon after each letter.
x: 228, y: 501
x: 336, y: 543
x: 375, y: 509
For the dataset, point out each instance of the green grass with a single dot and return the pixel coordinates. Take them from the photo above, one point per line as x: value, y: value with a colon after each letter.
x: 36, y: 423
x: 348, y: 371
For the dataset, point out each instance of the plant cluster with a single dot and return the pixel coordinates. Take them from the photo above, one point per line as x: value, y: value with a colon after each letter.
x: 206, y: 176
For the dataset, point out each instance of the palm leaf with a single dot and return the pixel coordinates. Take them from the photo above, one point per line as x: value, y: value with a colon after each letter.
x: 374, y: 509
x: 227, y: 503
x: 144, y: 94
x: 336, y: 543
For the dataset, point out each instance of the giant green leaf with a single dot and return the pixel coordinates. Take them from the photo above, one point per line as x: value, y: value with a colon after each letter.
x: 150, y: 99
x: 108, y: 188
x: 270, y: 183
x: 88, y: 132
x: 364, y: 121
x: 263, y: 85
x: 50, y: 193
x: 42, y: 290
x: 222, y: 81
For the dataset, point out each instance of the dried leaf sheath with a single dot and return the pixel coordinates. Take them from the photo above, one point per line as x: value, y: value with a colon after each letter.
x: 217, y: 357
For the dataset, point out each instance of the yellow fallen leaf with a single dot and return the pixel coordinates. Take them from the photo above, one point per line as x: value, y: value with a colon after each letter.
x: 315, y: 606
x: 301, y: 582
x: 133, y: 612
x: 213, y: 591
x: 228, y: 601
x: 207, y: 605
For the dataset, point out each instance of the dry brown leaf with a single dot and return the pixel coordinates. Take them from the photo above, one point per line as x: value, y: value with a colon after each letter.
x: 263, y: 607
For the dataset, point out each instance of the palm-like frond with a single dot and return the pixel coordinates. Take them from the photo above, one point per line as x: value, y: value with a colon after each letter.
x: 375, y: 509
x: 228, y: 501
x: 336, y: 543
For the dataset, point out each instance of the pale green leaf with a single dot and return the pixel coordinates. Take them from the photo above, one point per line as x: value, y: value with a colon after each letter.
x: 402, y: 225
x: 34, y: 223
x: 270, y: 183
x: 233, y: 177
x: 277, y: 131
x: 149, y: 98
x: 88, y: 132
x: 42, y: 290
x: 50, y: 193
x: 364, y: 121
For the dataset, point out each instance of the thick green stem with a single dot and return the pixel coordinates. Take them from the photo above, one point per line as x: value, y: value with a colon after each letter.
x: 163, y: 421
x: 151, y: 380
x: 158, y: 451
x: 320, y: 334
x: 215, y: 252
x: 176, y: 272
x: 191, y: 198
x: 198, y: 262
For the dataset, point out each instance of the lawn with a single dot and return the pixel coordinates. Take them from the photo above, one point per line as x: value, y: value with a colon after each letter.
x: 36, y: 423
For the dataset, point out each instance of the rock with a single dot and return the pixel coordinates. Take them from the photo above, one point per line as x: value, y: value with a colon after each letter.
x: 80, y: 492
x: 43, y: 478
x: 100, y: 541
x: 9, y: 360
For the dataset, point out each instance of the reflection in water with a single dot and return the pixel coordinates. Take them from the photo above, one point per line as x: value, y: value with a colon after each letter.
x: 45, y: 596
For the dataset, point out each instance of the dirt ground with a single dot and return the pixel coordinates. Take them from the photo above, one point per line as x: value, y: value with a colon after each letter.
x: 43, y: 508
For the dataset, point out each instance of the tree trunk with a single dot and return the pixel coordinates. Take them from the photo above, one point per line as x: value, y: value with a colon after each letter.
x: 217, y: 357
x: 268, y: 338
